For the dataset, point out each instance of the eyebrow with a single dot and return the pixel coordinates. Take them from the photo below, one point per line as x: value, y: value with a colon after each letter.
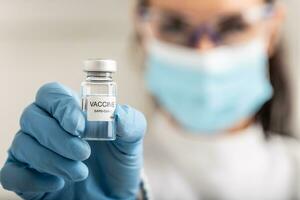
x: 233, y: 18
x: 225, y: 18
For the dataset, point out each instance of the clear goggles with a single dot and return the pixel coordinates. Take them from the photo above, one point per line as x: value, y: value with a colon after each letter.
x: 187, y: 31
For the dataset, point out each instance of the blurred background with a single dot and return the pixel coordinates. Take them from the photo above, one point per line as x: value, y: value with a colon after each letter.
x: 47, y: 40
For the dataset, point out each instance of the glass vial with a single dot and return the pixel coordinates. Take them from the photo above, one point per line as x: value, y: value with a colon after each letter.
x: 98, y: 95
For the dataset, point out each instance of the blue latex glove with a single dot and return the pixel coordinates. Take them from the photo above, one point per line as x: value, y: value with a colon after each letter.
x: 47, y: 159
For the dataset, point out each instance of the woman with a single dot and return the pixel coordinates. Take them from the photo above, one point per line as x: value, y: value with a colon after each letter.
x: 207, y: 69
x: 214, y: 69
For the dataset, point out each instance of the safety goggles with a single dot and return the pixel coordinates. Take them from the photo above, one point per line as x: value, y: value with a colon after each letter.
x: 222, y: 30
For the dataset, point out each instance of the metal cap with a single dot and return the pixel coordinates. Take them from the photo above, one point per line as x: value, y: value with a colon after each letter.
x: 100, y: 65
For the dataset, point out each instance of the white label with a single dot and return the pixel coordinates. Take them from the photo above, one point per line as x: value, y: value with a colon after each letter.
x: 100, y: 108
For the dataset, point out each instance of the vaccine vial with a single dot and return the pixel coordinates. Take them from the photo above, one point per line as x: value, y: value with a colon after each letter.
x: 98, y: 95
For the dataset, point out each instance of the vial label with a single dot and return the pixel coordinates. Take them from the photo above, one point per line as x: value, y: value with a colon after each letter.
x: 100, y: 108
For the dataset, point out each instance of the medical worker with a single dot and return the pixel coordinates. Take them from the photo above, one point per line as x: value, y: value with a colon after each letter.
x: 219, y: 126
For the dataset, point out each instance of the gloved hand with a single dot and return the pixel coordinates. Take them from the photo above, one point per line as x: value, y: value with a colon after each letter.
x: 47, y: 159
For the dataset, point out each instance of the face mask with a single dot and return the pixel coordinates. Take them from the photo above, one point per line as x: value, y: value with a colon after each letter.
x: 209, y: 92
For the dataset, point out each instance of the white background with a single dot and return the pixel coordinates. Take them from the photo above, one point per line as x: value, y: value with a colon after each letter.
x: 46, y: 40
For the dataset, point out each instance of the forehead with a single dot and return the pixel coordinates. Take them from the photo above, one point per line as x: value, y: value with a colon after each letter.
x: 205, y: 8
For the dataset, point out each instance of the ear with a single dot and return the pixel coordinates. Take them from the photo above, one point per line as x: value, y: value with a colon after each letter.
x: 140, y: 33
x: 275, y: 26
x: 143, y: 30
x: 137, y: 19
x: 140, y: 23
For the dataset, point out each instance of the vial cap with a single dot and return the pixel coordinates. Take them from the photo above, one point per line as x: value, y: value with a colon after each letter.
x: 100, y: 65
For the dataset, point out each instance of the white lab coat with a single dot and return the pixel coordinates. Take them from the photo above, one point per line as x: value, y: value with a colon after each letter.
x: 244, y: 166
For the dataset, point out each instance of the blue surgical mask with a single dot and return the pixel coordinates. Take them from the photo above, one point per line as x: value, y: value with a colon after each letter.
x: 209, y: 92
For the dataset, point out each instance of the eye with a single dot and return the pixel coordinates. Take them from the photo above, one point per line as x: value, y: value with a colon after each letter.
x: 173, y: 24
x: 233, y: 24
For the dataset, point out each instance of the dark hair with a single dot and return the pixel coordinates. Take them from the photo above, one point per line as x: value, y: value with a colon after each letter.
x: 275, y: 114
